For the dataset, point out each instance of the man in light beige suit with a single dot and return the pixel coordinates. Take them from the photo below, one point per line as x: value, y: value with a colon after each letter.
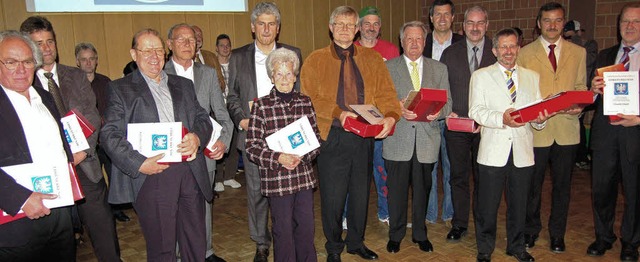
x: 562, y: 66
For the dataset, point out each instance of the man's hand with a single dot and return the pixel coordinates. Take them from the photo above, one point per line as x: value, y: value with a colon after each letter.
x: 344, y: 115
x: 151, y: 167
x: 79, y: 157
x: 627, y: 120
x: 597, y: 84
x: 407, y: 114
x: 387, y: 124
x: 289, y: 161
x: 189, y: 146
x: 453, y: 114
x: 433, y: 117
x: 244, y: 124
x: 508, y: 120
x: 543, y: 116
x: 34, y: 208
x: 217, y: 151
x: 572, y: 110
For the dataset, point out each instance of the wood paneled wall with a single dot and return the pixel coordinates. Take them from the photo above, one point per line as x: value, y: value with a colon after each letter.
x: 304, y: 24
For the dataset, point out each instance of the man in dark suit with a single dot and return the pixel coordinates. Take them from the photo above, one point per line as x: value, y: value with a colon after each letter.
x: 181, y: 42
x: 28, y: 116
x: 462, y: 59
x: 410, y: 153
x: 169, y: 199
x: 74, y: 92
x: 616, y: 150
x: 248, y: 80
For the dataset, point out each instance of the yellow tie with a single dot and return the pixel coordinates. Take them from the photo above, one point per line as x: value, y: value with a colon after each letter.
x: 415, y: 77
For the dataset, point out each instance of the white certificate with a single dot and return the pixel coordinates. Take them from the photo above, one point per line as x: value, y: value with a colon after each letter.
x: 151, y: 139
x: 73, y: 133
x: 215, y: 133
x: 621, y: 93
x: 50, y: 178
x: 297, y: 138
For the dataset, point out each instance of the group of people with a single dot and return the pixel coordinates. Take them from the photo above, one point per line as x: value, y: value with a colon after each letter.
x: 258, y: 89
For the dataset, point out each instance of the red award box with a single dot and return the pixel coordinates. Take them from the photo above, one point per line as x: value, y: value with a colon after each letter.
x: 461, y: 124
x: 87, y: 128
x: 612, y: 68
x: 425, y: 102
x: 555, y: 103
x: 361, y: 127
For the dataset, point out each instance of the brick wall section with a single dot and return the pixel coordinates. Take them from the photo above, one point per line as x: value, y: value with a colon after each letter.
x: 606, y: 33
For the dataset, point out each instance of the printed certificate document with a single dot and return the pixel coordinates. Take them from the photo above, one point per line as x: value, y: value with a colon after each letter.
x: 215, y: 134
x: 297, y: 138
x: 621, y: 93
x: 45, y: 178
x: 151, y: 139
x: 74, y: 134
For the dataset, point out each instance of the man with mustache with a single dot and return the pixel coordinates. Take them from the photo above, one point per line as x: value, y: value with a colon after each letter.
x: 562, y: 66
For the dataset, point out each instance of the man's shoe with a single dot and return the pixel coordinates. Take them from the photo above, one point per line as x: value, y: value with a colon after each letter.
x: 364, y: 253
x: 219, y: 187
x: 483, y: 258
x: 214, y: 258
x: 232, y: 183
x: 424, y: 245
x: 557, y: 245
x: 628, y: 254
x: 393, y: 246
x: 334, y: 258
x: 455, y: 234
x: 530, y: 240
x: 261, y: 255
x: 523, y: 256
x: 598, y: 248
x: 121, y: 216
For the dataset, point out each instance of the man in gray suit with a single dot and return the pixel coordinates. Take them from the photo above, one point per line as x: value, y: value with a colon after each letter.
x: 181, y: 41
x: 411, y: 152
x: 248, y: 80
x: 72, y: 90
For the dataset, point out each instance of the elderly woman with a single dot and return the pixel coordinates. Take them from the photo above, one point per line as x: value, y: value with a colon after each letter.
x: 285, y: 179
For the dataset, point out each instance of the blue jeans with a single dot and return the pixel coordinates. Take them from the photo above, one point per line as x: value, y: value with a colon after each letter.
x: 447, y: 206
x: 380, y: 178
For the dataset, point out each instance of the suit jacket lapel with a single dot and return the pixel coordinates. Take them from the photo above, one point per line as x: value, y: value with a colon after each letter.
x: 251, y: 57
x: 541, y: 55
x: 176, y: 95
x: 564, y: 55
x: 498, y: 76
x: 140, y: 86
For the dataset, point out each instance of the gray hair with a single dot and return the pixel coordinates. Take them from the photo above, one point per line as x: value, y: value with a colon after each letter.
x: 85, y: 46
x: 342, y: 10
x: 35, y: 50
x: 268, y: 8
x: 476, y: 8
x: 418, y: 24
x: 282, y: 55
x: 176, y: 26
x: 503, y: 33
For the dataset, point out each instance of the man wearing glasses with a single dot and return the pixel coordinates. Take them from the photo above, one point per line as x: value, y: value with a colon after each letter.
x: 335, y: 77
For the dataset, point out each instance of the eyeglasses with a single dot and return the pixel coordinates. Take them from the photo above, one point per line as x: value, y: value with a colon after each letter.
x: 150, y: 52
x: 182, y: 41
x: 343, y: 25
x: 85, y: 59
x: 625, y: 23
x: 12, y: 64
x: 470, y: 23
x: 505, y: 47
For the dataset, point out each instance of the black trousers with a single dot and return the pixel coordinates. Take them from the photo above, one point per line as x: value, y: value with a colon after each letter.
x: 491, y: 183
x: 344, y: 167
x: 227, y: 166
x: 561, y: 159
x: 401, y: 174
x: 463, y: 153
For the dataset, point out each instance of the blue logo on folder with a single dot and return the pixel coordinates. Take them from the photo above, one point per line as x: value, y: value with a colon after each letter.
x: 42, y: 184
x: 67, y: 136
x: 621, y: 89
x: 296, y: 139
x: 159, y: 142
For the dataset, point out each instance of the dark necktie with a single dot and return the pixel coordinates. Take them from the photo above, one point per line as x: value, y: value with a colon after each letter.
x: 510, y: 84
x: 55, y: 92
x: 552, y: 57
x: 625, y: 57
x: 349, y: 80
x: 474, y: 60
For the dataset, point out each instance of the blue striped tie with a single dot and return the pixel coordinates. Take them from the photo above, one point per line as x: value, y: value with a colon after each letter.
x: 510, y: 85
x: 625, y: 57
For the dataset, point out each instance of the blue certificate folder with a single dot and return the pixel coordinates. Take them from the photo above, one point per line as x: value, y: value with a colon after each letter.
x: 148, y: 2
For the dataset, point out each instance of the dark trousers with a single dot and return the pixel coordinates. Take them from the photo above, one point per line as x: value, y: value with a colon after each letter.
x: 344, y: 167
x: 561, y: 159
x: 491, y: 183
x: 463, y: 153
x: 399, y: 175
x: 227, y: 166
x: 170, y: 207
x: 292, y: 227
x: 51, y: 240
x: 610, y: 167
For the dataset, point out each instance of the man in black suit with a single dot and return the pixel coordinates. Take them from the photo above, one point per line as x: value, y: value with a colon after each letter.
x: 462, y: 59
x: 169, y: 199
x: 73, y: 88
x: 616, y: 150
x: 45, y: 234
x: 248, y: 80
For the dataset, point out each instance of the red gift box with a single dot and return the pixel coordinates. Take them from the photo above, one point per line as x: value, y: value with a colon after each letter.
x: 425, y: 102
x: 461, y: 124
x: 555, y: 103
x: 87, y: 128
x: 361, y: 127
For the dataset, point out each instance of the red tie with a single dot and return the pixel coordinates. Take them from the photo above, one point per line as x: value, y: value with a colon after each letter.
x: 552, y: 57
